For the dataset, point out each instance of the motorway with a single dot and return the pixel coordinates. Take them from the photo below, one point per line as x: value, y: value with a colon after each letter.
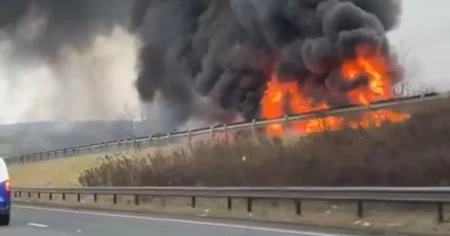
x: 40, y: 221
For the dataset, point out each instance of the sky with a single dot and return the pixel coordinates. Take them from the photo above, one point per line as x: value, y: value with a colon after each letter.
x: 425, y: 30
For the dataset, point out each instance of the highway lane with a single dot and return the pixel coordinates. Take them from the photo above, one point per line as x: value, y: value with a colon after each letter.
x: 37, y: 221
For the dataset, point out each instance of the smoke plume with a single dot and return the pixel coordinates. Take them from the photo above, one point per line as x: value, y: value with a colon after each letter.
x: 66, y: 60
x: 203, y: 59
x: 213, y: 58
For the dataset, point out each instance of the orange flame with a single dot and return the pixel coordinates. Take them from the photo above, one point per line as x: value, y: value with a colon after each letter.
x: 282, y: 96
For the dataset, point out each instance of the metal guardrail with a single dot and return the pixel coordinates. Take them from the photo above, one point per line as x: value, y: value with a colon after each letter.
x: 188, y: 135
x: 360, y: 195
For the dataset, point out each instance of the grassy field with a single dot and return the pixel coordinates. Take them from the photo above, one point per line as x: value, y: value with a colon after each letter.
x: 52, y: 173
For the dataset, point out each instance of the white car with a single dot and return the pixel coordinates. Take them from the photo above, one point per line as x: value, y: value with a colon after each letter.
x: 5, y: 194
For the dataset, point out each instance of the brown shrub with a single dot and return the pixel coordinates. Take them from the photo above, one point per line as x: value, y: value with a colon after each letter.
x: 414, y: 153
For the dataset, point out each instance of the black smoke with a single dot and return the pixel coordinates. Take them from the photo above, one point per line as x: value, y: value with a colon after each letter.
x: 225, y: 50
x: 212, y: 58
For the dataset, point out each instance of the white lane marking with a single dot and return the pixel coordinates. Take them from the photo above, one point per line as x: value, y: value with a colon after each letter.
x: 192, y: 222
x: 38, y: 225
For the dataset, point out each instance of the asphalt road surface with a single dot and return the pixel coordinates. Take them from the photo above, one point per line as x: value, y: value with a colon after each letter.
x: 39, y: 221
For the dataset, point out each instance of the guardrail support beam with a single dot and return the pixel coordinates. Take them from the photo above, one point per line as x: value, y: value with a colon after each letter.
x: 249, y: 204
x: 298, y: 207
x: 440, y: 208
x: 229, y: 203
x: 136, y: 199
x: 193, y: 201
x: 360, y: 209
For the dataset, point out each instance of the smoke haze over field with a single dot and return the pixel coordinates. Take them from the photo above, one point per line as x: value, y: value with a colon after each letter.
x: 207, y: 59
x: 66, y: 60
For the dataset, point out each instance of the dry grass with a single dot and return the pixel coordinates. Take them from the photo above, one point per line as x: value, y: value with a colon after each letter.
x: 52, y: 173
x: 413, y: 153
x: 64, y: 172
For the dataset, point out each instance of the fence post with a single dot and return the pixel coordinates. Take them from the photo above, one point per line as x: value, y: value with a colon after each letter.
x: 225, y: 131
x: 212, y: 131
x: 286, y: 122
x: 168, y: 138
x: 254, y: 128
x: 190, y: 137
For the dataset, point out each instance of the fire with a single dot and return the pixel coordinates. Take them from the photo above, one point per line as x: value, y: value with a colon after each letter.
x: 287, y: 96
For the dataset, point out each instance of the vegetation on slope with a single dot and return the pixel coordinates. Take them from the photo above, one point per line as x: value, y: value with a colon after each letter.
x: 412, y: 153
